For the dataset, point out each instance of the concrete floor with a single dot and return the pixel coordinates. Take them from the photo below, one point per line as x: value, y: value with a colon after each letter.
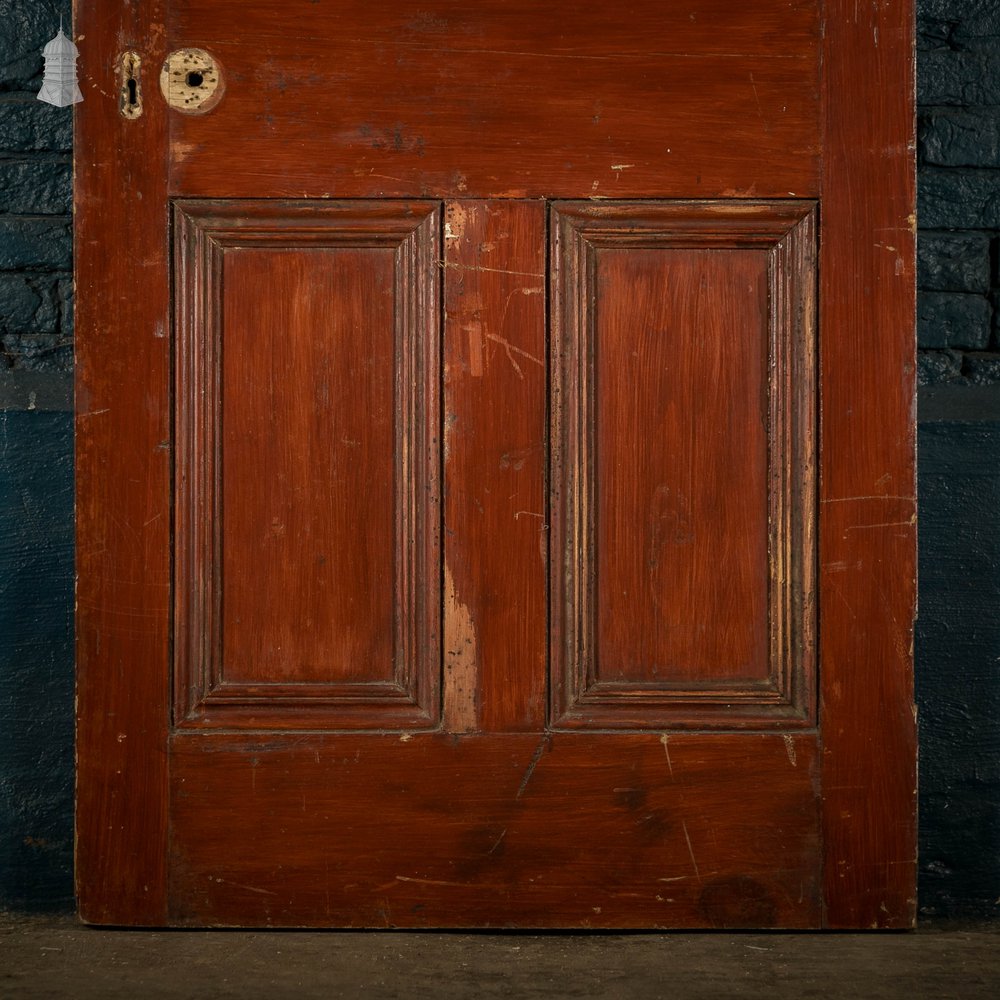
x: 58, y: 958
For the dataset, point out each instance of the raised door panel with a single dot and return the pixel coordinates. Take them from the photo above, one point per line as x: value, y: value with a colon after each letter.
x: 308, y: 565
x: 683, y: 426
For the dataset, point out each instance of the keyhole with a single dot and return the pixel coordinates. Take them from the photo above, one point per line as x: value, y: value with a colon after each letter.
x: 130, y: 94
x: 195, y: 79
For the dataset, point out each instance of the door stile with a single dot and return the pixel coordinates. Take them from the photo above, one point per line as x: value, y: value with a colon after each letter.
x: 123, y: 455
x: 868, y: 491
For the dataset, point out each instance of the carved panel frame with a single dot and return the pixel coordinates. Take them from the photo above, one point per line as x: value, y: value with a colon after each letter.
x: 786, y: 231
x: 203, y: 697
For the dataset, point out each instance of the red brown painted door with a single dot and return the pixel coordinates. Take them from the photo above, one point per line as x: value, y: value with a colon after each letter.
x: 484, y: 520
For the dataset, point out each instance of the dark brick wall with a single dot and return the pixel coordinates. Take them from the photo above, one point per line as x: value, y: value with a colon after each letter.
x: 958, y: 96
x: 36, y: 288
x: 36, y: 472
x: 958, y: 333
x: 958, y: 652
x: 36, y: 660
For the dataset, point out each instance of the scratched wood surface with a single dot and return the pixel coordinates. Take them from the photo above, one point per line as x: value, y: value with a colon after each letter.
x: 513, y: 830
x: 276, y: 812
x: 122, y: 485
x: 494, y: 412
x: 868, y: 518
x: 504, y: 99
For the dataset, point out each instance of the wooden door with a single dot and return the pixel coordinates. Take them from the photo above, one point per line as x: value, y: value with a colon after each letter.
x: 495, y: 462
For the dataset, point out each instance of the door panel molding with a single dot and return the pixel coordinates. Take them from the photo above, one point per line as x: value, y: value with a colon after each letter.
x: 369, y: 657
x: 684, y: 567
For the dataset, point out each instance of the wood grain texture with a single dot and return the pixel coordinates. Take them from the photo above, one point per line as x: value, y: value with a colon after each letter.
x: 308, y: 466
x: 308, y: 558
x: 501, y: 821
x: 680, y: 468
x: 643, y: 99
x: 122, y: 483
x: 683, y: 420
x: 516, y: 830
x: 496, y: 530
x: 867, y: 522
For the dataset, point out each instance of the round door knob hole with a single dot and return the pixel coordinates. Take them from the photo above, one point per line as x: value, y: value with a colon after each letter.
x: 191, y: 81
